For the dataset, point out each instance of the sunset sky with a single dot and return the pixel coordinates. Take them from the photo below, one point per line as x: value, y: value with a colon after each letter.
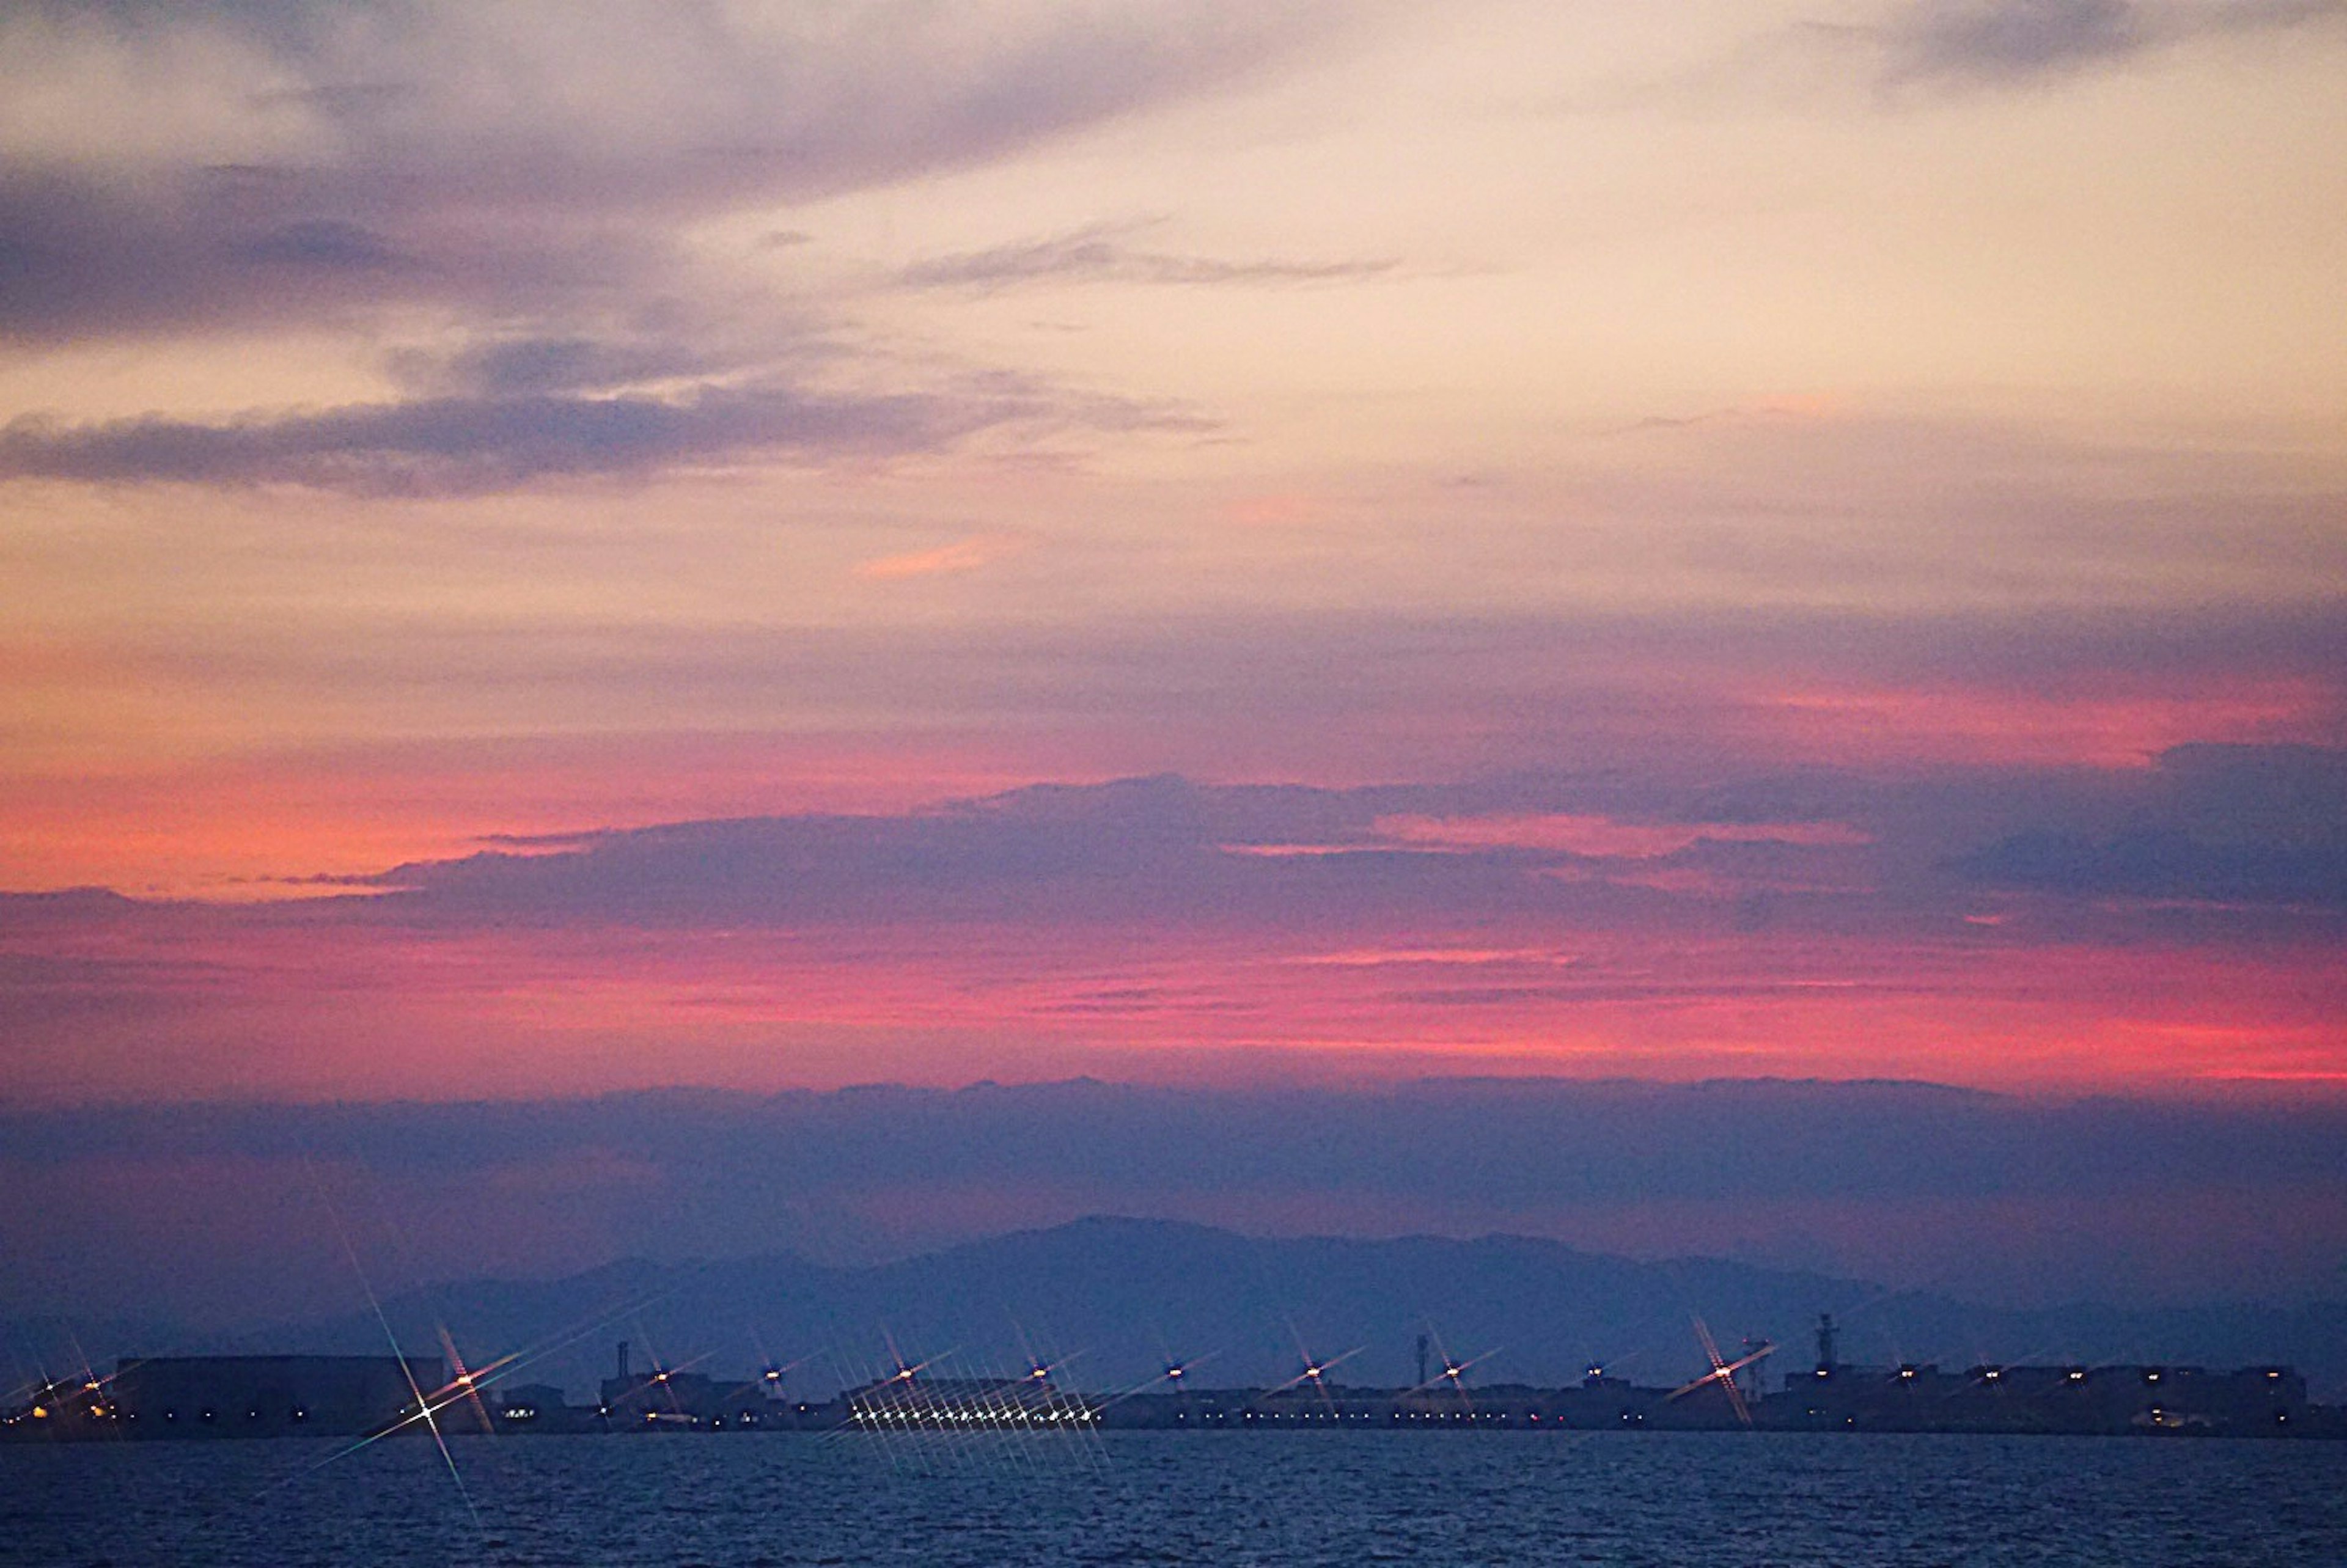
x: 551, y: 550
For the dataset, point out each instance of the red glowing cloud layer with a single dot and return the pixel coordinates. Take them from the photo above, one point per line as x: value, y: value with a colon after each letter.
x: 2151, y: 926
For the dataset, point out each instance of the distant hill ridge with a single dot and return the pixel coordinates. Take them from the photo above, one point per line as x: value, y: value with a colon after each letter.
x: 1112, y: 1299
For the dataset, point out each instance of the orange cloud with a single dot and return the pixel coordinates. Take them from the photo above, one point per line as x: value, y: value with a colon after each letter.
x: 1283, y: 511
x: 963, y: 555
x: 1602, y: 836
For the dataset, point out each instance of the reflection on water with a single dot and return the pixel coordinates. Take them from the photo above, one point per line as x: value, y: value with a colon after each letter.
x: 1184, y: 1498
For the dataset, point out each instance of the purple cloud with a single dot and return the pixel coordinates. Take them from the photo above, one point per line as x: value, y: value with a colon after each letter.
x: 408, y: 152
x: 2016, y: 41
x: 2256, y: 826
x: 461, y: 445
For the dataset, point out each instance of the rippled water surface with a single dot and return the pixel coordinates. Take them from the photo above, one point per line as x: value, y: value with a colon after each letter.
x: 1180, y: 1498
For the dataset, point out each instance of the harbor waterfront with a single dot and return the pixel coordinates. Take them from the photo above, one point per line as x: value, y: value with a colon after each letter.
x: 213, y: 1397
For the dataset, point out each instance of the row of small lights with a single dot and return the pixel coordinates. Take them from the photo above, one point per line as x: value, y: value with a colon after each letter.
x: 986, y: 1417
x: 1995, y: 1374
x: 774, y: 1375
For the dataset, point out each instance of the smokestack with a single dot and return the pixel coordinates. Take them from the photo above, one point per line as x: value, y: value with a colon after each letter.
x: 1422, y: 1360
x: 623, y: 1360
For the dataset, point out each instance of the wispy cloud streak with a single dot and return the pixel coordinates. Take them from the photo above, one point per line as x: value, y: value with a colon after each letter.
x: 457, y: 446
x: 2014, y: 43
x: 1100, y: 254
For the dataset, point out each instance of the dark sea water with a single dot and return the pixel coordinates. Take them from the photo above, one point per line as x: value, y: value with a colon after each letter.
x: 1184, y: 1498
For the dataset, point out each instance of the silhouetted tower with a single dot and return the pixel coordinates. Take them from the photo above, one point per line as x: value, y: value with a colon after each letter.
x: 1422, y: 1360
x: 1825, y: 1342
x: 1755, y: 1363
x: 623, y: 1360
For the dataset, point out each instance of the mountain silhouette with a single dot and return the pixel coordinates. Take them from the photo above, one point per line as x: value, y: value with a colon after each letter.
x: 1109, y: 1302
